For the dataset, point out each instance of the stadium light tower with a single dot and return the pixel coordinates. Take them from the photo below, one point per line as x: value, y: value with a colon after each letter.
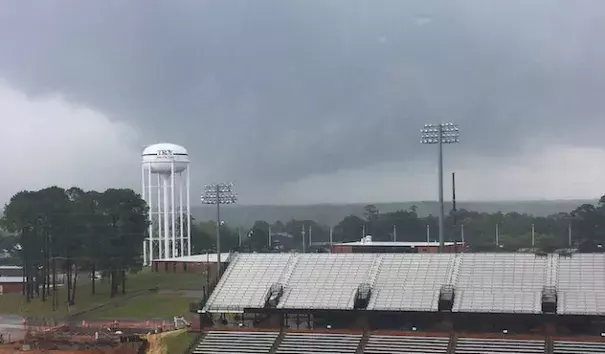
x: 220, y: 193
x: 442, y: 133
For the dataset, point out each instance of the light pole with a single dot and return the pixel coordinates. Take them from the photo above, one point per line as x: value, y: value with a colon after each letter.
x: 442, y: 133
x: 220, y: 193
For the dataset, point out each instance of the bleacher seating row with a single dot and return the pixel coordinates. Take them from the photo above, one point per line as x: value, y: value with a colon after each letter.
x: 336, y: 343
x: 481, y: 282
x: 309, y: 343
x: 381, y: 344
x: 498, y: 346
x: 215, y: 342
x: 568, y: 347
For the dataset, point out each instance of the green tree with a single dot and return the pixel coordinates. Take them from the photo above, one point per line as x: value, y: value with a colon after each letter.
x: 408, y: 226
x: 202, y: 240
x: 259, y: 236
x: 124, y: 221
x: 349, y: 229
x: 19, y: 218
x: 73, y: 229
x: 588, y: 223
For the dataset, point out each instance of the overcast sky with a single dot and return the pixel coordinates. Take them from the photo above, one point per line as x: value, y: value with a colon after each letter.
x: 307, y: 101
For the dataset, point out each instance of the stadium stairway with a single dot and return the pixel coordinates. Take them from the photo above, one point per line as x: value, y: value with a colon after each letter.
x: 451, y: 347
x: 277, y: 342
x: 363, y: 342
x: 548, y: 344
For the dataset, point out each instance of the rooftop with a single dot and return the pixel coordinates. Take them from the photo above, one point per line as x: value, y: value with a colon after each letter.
x: 197, y: 258
x: 7, y: 280
x: 11, y: 271
x: 371, y: 243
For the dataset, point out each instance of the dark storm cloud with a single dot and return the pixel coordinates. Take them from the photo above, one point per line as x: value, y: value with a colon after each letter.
x: 273, y: 91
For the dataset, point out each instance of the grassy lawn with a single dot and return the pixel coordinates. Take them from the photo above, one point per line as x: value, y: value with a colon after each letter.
x: 136, y: 283
x: 179, y: 342
x: 145, y: 307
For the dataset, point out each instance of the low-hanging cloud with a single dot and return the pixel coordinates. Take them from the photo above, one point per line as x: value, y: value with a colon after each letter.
x: 49, y: 141
x: 268, y: 93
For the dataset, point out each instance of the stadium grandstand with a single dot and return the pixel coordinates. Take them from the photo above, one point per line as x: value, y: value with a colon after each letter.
x: 466, y: 303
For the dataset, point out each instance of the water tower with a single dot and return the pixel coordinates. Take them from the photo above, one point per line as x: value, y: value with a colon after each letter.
x: 166, y: 187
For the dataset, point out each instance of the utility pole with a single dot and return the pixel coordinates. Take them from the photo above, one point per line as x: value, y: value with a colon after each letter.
x: 270, y: 245
x: 428, y: 234
x: 454, y: 210
x: 304, y: 246
x: 55, y: 300
x: 394, y: 233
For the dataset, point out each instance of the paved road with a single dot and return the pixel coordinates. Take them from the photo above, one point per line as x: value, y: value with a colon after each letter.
x: 11, y: 327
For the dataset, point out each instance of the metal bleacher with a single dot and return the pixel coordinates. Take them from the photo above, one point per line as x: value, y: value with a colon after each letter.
x: 386, y: 344
x: 570, y: 347
x: 410, y: 282
x: 215, y: 342
x: 326, y: 281
x: 581, y: 284
x: 480, y: 282
x: 326, y: 343
x: 503, y: 283
x: 247, y: 281
x: 499, y: 346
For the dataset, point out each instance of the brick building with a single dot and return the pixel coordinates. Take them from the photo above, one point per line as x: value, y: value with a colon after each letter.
x: 10, y: 285
x: 11, y: 279
x: 199, y: 263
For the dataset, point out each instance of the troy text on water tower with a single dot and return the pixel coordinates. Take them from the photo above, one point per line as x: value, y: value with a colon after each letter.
x: 166, y: 186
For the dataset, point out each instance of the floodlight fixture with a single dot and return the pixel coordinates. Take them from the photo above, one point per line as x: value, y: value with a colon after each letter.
x: 439, y: 134
x: 444, y: 133
x: 217, y: 194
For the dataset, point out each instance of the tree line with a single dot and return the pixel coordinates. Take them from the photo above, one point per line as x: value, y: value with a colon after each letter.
x: 70, y: 230
x: 584, y: 227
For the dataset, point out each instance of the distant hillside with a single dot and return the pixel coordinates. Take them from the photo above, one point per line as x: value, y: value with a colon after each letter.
x: 330, y: 214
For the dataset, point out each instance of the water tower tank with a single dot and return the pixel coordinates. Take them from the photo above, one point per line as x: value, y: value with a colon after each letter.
x: 160, y: 157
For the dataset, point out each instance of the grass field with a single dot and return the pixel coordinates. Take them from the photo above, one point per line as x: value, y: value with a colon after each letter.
x: 146, y: 304
x: 145, y: 307
x: 179, y: 343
